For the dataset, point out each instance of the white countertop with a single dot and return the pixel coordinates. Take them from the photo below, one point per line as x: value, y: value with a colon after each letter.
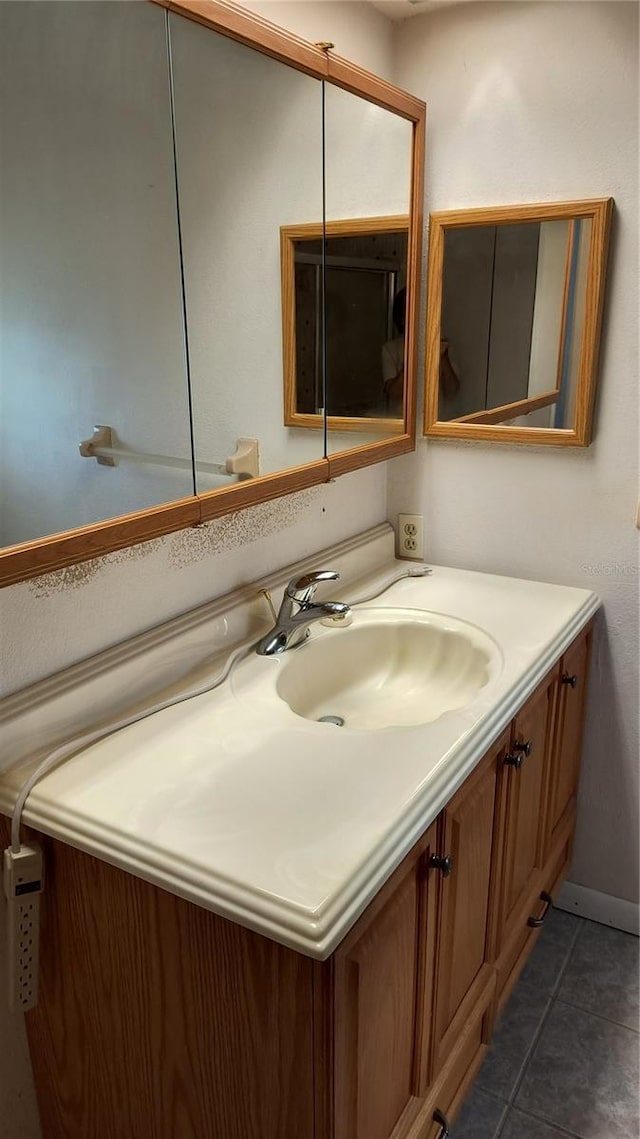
x: 288, y: 826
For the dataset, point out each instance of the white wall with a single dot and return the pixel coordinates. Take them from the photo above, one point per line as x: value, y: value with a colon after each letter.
x: 358, y: 31
x: 539, y: 102
x: 53, y: 622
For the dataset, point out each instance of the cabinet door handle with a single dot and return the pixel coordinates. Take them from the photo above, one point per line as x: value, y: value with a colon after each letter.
x: 570, y: 680
x: 525, y: 747
x: 440, y: 1117
x: 513, y: 761
x: 548, y: 903
x: 442, y: 862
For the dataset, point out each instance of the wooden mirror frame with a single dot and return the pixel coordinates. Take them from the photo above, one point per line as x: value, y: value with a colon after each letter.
x: 289, y: 234
x: 30, y: 559
x: 483, y: 425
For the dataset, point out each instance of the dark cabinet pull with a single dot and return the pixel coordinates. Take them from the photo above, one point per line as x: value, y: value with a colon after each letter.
x: 513, y: 761
x: 521, y: 749
x: 548, y: 903
x: 570, y: 680
x: 440, y: 1117
x: 525, y: 747
x: 442, y: 862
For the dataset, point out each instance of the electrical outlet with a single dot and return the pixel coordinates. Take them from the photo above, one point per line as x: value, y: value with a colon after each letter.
x: 410, y: 536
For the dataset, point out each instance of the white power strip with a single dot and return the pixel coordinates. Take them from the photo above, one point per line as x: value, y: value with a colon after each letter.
x: 23, y: 887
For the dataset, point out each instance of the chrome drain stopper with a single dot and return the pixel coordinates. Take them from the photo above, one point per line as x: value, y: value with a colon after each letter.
x: 337, y: 720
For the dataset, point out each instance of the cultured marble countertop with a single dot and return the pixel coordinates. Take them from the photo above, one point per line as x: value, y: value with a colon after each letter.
x: 285, y: 825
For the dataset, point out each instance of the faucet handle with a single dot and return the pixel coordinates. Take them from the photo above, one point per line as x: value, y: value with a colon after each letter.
x: 302, y: 589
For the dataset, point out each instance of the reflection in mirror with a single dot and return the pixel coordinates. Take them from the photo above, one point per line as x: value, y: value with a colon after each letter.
x: 249, y: 151
x: 513, y: 304
x: 358, y: 272
x: 368, y: 176
x: 92, y: 328
x: 514, y: 309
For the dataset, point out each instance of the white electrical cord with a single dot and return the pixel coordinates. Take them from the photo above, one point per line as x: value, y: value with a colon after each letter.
x: 70, y: 747
x: 413, y: 571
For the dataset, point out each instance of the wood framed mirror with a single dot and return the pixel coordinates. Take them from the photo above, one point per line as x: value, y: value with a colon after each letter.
x: 113, y: 234
x: 356, y: 269
x: 514, y: 311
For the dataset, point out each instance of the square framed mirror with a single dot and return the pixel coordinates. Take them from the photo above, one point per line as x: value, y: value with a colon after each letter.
x: 353, y: 270
x: 514, y: 311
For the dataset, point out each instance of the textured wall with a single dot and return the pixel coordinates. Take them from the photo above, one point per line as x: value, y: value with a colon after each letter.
x: 539, y: 102
x: 52, y: 621
x: 359, y: 32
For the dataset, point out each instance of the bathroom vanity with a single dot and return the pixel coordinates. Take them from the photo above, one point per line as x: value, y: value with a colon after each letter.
x: 258, y: 926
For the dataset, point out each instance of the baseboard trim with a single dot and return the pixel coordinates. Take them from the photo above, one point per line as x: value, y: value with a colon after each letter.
x: 604, y: 908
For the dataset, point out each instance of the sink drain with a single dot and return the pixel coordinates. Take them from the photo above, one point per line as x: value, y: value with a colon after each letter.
x: 337, y: 720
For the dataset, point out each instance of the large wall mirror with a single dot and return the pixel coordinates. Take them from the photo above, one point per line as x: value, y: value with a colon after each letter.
x: 151, y: 158
x: 513, y: 324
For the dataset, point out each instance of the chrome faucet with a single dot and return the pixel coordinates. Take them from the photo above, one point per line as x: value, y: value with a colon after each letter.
x: 298, y: 611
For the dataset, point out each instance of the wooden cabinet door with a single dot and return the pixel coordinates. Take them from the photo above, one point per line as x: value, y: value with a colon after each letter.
x: 522, y: 788
x: 378, y: 972
x: 465, y: 838
x: 565, y: 760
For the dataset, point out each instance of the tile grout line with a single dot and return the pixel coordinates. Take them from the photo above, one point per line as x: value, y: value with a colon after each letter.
x: 511, y: 1102
x: 597, y: 1015
x: 545, y: 1015
x: 506, y: 1107
x: 559, y: 1127
x: 502, y: 1122
x: 550, y: 1003
x: 563, y: 1000
x: 570, y: 952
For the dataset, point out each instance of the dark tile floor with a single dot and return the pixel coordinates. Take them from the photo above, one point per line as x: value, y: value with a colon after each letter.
x: 564, y: 1057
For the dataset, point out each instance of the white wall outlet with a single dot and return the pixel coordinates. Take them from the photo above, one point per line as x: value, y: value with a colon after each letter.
x: 410, y: 536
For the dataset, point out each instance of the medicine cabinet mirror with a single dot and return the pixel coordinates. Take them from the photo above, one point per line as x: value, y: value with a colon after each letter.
x: 152, y: 156
x: 515, y: 298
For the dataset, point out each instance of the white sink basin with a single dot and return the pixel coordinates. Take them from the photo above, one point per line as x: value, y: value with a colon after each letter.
x: 390, y: 668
